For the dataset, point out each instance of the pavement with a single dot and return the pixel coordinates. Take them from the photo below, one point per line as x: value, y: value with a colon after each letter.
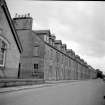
x: 46, y: 84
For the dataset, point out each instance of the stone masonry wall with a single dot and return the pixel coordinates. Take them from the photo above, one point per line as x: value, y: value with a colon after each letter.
x: 12, y: 53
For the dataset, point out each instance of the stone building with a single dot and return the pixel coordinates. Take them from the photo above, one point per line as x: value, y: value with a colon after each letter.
x: 45, y: 57
x: 10, y: 46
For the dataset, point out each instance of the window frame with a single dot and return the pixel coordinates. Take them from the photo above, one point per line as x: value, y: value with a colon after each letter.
x: 35, y: 70
x: 4, y: 54
x: 36, y: 67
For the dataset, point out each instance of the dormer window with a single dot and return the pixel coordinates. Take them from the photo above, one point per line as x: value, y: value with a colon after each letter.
x: 3, y: 47
x: 46, y: 38
x: 50, y: 41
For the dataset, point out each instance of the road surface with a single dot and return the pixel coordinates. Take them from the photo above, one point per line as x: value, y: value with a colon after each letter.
x: 89, y: 92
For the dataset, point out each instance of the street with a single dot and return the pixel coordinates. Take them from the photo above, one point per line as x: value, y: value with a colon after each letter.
x: 90, y: 92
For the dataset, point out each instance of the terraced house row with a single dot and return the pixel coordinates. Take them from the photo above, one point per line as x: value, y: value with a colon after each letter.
x: 27, y: 54
x: 45, y: 57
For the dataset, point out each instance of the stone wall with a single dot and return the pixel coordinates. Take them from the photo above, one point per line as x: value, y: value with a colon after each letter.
x: 19, y: 82
x: 12, y: 56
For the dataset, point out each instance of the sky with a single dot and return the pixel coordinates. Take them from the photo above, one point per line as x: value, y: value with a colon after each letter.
x: 79, y: 24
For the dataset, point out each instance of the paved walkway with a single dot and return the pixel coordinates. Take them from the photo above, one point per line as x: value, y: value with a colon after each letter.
x: 47, y: 83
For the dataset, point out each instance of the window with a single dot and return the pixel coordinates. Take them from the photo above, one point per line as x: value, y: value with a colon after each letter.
x: 46, y: 38
x: 35, y: 66
x: 50, y: 41
x: 35, y: 51
x: 35, y: 70
x: 2, y: 52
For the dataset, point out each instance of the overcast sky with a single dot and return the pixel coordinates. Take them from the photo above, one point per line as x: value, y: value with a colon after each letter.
x: 79, y: 24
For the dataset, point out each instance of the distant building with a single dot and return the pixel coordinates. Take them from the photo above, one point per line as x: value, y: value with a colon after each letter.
x: 45, y: 57
x: 10, y: 46
x: 99, y: 74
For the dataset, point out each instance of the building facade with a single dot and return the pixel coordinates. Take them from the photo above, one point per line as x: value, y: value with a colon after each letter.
x: 45, y: 57
x: 10, y: 46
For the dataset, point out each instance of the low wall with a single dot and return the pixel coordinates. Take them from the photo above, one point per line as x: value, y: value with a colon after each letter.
x: 19, y: 82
